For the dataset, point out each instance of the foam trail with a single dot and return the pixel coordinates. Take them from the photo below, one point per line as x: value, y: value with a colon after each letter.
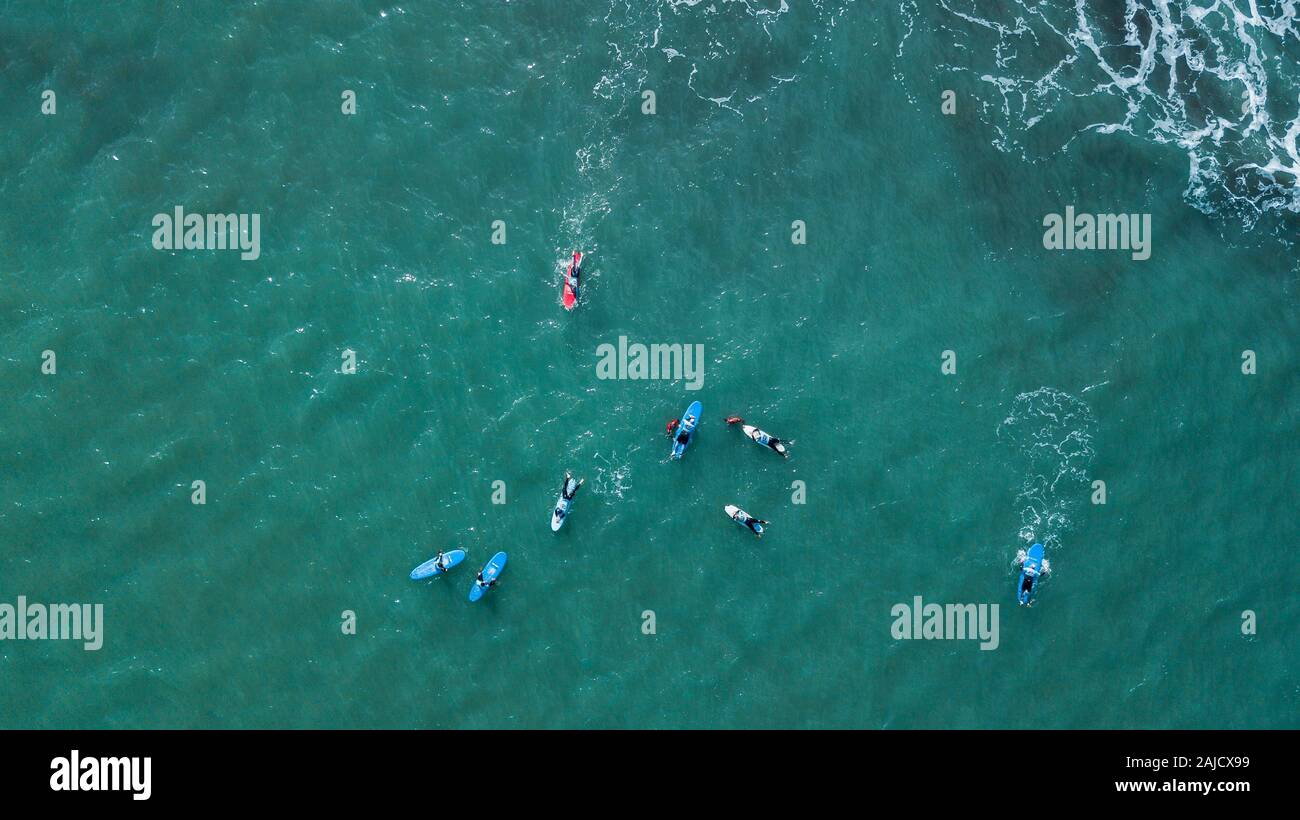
x: 1052, y: 433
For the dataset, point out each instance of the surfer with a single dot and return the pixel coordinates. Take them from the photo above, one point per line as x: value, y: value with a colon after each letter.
x: 1044, y: 568
x: 1033, y: 566
x: 684, y: 435
x: 755, y: 525
x: 571, y: 281
x: 776, y: 444
x: 761, y: 437
x: 684, y: 430
x: 1028, y: 586
x: 570, y: 487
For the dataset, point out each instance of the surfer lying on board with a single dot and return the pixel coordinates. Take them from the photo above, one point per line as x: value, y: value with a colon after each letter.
x: 761, y: 437
x: 570, y: 487
x: 683, y: 436
x: 575, y: 270
x: 1022, y: 555
x: 1028, y: 586
x: 754, y: 524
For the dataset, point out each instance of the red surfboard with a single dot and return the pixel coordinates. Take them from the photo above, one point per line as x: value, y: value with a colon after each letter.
x: 571, y: 281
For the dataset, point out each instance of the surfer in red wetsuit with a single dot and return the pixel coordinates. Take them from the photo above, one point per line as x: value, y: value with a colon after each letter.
x: 672, y: 425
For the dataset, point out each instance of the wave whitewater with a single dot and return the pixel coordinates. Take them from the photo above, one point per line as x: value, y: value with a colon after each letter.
x: 1052, y: 432
x: 1220, y: 82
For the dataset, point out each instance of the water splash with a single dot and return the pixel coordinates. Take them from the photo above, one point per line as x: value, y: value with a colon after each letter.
x: 706, y: 49
x: 1052, y: 433
x: 1213, y: 81
x: 613, y: 473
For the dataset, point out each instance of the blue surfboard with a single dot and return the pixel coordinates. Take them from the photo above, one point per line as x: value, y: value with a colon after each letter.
x: 1029, y: 572
x: 686, y: 428
x: 490, y: 572
x: 431, y: 567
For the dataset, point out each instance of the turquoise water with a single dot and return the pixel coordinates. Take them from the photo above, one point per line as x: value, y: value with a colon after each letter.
x: 924, y: 235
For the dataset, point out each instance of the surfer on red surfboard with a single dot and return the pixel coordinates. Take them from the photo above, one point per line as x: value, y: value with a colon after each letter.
x: 571, y: 281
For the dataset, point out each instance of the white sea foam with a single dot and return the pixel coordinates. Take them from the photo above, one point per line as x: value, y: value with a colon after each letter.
x: 1051, y: 433
x: 613, y: 473
x: 1213, y: 80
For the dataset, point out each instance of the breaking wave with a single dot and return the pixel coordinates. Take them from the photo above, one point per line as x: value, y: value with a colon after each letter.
x: 1219, y: 81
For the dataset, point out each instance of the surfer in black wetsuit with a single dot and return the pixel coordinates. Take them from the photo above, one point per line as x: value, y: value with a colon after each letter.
x: 772, y: 442
x: 570, y: 487
x: 750, y: 521
x: 575, y: 270
x: 684, y: 435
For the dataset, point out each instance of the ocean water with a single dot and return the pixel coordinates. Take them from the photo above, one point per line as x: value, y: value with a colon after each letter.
x: 924, y: 234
